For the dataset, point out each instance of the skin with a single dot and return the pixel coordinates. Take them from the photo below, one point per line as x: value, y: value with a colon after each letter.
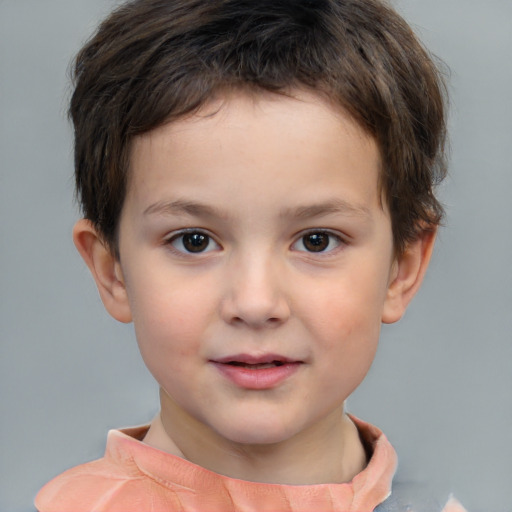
x: 258, y: 177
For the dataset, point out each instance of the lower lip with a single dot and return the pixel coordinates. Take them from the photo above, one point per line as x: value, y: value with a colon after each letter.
x: 263, y: 378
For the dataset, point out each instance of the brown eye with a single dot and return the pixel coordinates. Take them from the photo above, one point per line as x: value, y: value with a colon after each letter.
x: 316, y: 242
x: 193, y: 242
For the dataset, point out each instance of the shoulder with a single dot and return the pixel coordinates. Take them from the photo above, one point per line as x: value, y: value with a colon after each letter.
x: 86, y: 487
x: 113, y: 483
x: 104, y: 487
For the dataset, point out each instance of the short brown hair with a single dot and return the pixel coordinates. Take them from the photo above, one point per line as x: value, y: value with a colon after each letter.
x: 153, y: 61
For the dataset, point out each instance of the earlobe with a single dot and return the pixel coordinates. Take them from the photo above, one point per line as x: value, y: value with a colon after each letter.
x: 407, y: 275
x: 105, y: 269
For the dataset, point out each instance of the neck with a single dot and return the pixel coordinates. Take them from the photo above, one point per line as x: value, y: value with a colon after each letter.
x: 329, y: 451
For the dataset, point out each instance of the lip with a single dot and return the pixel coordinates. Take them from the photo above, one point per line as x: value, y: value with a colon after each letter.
x: 255, y: 359
x: 233, y: 368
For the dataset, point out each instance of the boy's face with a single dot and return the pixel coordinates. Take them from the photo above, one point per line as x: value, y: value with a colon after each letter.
x: 254, y: 232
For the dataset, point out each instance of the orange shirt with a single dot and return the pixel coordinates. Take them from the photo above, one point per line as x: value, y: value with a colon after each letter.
x: 135, y: 477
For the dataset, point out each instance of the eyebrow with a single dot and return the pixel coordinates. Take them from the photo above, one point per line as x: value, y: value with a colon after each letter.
x: 334, y: 206
x: 181, y: 206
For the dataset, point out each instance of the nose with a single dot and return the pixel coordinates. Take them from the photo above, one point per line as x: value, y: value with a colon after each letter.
x: 255, y: 294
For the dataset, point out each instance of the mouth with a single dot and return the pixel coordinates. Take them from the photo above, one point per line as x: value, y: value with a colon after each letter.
x: 256, y: 362
x: 257, y: 366
x: 257, y: 372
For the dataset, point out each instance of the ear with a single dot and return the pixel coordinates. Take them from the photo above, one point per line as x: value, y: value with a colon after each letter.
x: 407, y: 275
x: 105, y: 269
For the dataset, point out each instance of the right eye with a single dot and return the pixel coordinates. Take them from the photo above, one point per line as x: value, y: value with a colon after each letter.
x: 193, y: 242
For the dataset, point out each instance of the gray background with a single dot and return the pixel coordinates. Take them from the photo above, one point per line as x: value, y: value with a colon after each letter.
x: 441, y: 387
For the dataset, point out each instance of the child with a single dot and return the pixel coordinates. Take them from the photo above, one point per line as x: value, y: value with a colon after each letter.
x: 257, y: 184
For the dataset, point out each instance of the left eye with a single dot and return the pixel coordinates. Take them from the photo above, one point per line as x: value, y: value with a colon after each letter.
x: 193, y: 242
x: 317, y: 241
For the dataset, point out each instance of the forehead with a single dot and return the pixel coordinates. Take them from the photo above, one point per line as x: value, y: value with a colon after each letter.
x: 293, y: 140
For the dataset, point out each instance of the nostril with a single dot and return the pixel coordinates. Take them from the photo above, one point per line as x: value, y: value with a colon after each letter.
x: 254, y: 309
x: 269, y: 322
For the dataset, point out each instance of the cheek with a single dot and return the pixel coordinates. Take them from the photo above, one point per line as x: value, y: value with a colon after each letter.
x: 346, y: 309
x: 344, y: 319
x: 170, y: 321
x: 349, y: 337
x: 168, y: 335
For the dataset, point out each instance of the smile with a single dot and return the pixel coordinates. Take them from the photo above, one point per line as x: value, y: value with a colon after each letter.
x: 262, y: 372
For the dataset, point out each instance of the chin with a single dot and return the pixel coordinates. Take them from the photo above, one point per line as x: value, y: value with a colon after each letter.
x: 257, y: 432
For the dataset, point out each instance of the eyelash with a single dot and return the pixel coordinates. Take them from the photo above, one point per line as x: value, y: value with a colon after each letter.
x: 332, y: 237
x: 179, y: 238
